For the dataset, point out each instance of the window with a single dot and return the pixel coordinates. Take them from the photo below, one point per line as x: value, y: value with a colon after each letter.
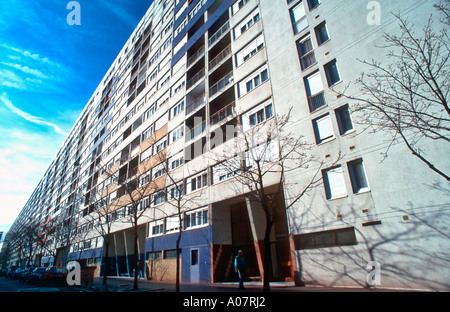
x: 170, y: 253
x: 147, y: 133
x: 331, y: 238
x: 144, y: 204
x: 344, y: 120
x: 146, y: 154
x: 298, y: 17
x: 167, y: 44
x: 321, y: 33
x: 314, y: 91
x: 198, y: 182
x: 250, y: 50
x: 253, y: 81
x: 172, y: 224
x: 196, y: 218
x: 332, y: 73
x: 149, y: 112
x: 248, y: 22
x: 358, y: 176
x: 176, y: 134
x: 159, y: 171
x: 258, y: 115
x: 313, y: 4
x: 160, y: 145
x: 156, y: 228
x: 226, y: 170
x: 306, y: 51
x: 176, y: 161
x: 145, y: 180
x: 334, y: 183
x: 159, y: 198
x: 154, y: 255
x: 176, y: 191
x: 178, y: 88
x: 323, y: 129
x: 239, y: 5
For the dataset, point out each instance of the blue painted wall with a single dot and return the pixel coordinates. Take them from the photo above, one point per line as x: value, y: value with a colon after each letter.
x: 219, y: 12
x: 193, y: 239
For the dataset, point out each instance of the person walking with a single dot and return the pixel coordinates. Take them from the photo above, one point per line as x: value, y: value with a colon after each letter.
x: 240, y: 265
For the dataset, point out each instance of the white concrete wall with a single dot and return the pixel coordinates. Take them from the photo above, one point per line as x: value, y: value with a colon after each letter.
x: 412, y: 253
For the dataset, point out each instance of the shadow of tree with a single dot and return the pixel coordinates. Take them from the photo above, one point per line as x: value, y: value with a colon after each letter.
x: 411, y: 244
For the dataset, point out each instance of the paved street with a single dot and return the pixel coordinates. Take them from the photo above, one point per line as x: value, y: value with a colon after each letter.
x: 195, y: 297
x: 8, y: 285
x: 125, y: 284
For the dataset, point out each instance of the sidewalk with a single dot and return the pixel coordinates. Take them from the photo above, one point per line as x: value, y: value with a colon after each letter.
x: 125, y: 284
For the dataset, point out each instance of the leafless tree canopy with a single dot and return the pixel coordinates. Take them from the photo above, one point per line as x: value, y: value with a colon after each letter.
x: 408, y: 96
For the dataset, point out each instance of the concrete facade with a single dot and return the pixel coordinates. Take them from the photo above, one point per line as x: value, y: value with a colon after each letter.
x: 192, y: 68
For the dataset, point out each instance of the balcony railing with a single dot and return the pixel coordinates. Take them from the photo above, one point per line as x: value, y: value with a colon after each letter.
x: 228, y: 79
x: 308, y: 60
x: 219, y: 58
x: 218, y: 34
x: 195, y: 79
x: 196, y: 131
x: 195, y: 103
x: 316, y: 101
x: 223, y: 113
x: 196, y: 56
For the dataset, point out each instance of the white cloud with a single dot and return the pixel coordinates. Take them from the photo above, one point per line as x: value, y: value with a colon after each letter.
x: 24, y: 157
x: 26, y: 70
x: 28, y: 54
x: 29, y: 117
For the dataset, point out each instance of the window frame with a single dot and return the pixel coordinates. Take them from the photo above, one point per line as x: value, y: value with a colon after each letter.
x: 256, y: 80
x: 343, y: 121
x: 308, y: 240
x: 317, y: 129
x: 358, y: 176
x: 319, y: 39
x: 330, y: 74
x: 328, y: 186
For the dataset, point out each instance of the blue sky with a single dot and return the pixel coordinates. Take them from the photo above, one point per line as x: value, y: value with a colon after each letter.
x: 48, y: 72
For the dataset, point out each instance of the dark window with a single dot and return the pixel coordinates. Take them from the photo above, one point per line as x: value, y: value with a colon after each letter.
x: 194, y: 257
x: 312, y: 4
x: 322, y: 33
x: 333, y: 238
x: 332, y: 73
x: 344, y: 120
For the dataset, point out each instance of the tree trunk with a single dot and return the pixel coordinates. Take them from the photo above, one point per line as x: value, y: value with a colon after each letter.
x: 267, y: 256
x: 105, y: 272
x: 135, y: 260
x: 177, y: 286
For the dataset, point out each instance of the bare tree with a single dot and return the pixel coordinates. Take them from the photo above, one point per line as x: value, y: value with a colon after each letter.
x: 264, y: 155
x: 408, y: 98
x: 137, y: 198
x: 178, y: 198
x: 102, y: 221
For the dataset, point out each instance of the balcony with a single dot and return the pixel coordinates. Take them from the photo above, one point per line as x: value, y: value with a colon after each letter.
x: 199, y: 75
x: 199, y: 53
x: 218, y: 34
x: 223, y: 113
x: 221, y: 84
x: 220, y: 57
x: 196, y: 131
x: 193, y: 105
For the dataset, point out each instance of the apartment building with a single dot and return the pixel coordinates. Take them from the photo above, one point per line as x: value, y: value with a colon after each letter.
x: 191, y: 71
